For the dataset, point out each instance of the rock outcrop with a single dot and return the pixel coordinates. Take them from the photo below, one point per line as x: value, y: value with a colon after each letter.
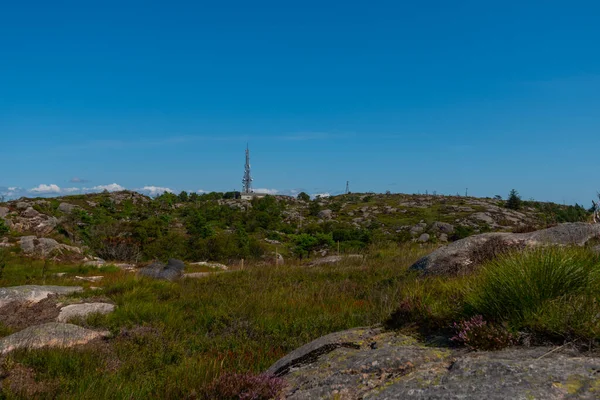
x: 29, y: 220
x: 371, y: 363
x: 43, y: 247
x: 463, y: 255
x: 33, y: 293
x: 171, y: 271
x: 52, y: 334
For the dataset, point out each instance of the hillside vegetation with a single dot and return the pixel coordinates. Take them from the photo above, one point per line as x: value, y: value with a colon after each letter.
x: 213, y: 336
x: 127, y: 226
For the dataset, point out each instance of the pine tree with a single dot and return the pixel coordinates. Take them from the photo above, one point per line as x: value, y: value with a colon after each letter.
x: 514, y: 200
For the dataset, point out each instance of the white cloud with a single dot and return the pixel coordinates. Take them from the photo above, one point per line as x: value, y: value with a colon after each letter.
x: 45, y: 189
x: 266, y: 191
x: 201, y: 191
x: 113, y: 187
x: 71, y: 190
x: 321, y: 195
x: 154, y: 190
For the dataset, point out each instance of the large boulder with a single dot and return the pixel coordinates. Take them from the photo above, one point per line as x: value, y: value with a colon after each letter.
x: 52, y: 334
x: 171, y: 271
x: 370, y: 363
x: 4, y: 212
x: 33, y: 293
x: 30, y: 212
x: 464, y: 255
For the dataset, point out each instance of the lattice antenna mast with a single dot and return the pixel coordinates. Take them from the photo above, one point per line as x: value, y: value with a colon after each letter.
x: 247, y: 181
x: 347, y: 187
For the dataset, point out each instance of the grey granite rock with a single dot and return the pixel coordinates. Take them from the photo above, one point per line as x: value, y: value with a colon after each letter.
x: 370, y: 363
x: 33, y: 293
x: 83, y: 310
x: 52, y: 334
x: 465, y: 254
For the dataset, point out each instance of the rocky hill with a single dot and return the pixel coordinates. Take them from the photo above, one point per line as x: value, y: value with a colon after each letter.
x: 128, y: 226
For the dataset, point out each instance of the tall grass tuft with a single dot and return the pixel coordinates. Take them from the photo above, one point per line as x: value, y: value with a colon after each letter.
x: 518, y: 287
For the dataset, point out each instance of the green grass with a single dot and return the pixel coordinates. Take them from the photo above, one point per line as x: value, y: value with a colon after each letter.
x: 550, y: 294
x: 553, y: 290
x: 171, y: 339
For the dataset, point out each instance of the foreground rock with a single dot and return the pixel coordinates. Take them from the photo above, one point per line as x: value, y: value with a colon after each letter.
x: 33, y: 293
x: 463, y: 255
x: 375, y: 364
x: 52, y: 334
x: 171, y: 271
x: 83, y: 310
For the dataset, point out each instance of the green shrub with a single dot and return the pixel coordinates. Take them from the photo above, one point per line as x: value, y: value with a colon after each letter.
x: 3, y: 228
x: 516, y: 287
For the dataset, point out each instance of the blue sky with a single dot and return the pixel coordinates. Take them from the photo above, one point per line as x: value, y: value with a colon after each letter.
x: 390, y: 95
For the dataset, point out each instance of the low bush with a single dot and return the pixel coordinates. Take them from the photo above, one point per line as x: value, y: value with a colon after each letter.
x: 478, y: 334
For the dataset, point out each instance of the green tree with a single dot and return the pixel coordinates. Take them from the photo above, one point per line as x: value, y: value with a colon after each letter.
x: 514, y: 201
x: 303, y: 196
x: 184, y: 197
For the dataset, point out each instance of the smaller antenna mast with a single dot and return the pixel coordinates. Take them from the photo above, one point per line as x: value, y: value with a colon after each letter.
x: 347, y: 187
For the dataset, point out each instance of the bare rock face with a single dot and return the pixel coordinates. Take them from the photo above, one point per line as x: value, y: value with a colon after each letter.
x: 33, y: 293
x: 171, y: 271
x: 83, y: 310
x: 45, y: 246
x: 4, y: 212
x: 52, y: 334
x: 370, y: 363
x: 66, y: 208
x: 463, y: 255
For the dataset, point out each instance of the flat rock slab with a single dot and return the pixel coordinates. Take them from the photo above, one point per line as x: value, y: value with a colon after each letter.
x: 197, y: 275
x: 83, y: 310
x: 211, y: 265
x: 90, y: 278
x: 370, y: 363
x: 33, y: 293
x: 335, y: 259
x: 53, y: 334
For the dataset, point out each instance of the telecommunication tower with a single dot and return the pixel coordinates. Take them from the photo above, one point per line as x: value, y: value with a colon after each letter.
x: 347, y: 187
x: 247, y: 181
